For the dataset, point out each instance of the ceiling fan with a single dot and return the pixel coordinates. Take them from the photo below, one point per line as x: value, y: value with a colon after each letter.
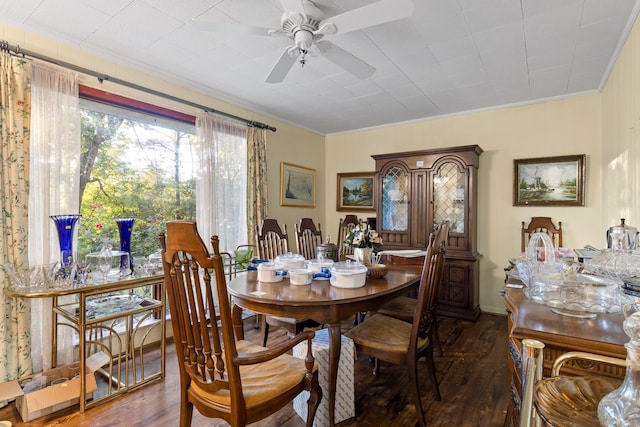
x: 304, y: 23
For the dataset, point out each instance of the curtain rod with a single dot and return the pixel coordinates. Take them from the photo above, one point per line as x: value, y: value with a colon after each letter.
x: 17, y: 50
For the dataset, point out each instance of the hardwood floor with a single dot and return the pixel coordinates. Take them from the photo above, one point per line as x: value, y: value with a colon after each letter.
x: 472, y: 375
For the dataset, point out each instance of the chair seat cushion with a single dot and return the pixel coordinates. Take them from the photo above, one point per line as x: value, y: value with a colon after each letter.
x: 402, y: 308
x: 262, y: 381
x: 384, y: 333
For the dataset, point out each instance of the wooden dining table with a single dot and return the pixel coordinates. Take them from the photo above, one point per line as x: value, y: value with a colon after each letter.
x: 319, y: 301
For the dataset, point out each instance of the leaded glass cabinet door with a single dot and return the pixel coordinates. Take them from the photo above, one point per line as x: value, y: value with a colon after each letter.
x: 395, y: 214
x: 449, y: 196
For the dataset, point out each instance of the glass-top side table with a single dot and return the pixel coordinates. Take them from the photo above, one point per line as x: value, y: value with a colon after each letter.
x: 117, y: 317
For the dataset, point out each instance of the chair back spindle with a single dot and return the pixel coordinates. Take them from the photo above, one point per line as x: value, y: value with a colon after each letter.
x: 346, y: 226
x: 308, y: 238
x: 271, y: 239
x: 424, y: 320
x: 196, y: 286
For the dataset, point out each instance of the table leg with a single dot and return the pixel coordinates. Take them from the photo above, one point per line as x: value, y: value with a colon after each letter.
x: 236, y: 318
x: 334, y: 359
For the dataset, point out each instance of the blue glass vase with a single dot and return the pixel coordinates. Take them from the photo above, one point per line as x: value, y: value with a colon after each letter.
x: 125, y: 227
x: 65, y: 224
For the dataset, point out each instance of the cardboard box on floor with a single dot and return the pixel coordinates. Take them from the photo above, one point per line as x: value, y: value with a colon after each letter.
x: 53, y: 397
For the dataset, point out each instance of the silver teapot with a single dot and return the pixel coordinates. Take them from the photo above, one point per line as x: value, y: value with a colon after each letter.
x: 622, y: 237
x: 327, y: 250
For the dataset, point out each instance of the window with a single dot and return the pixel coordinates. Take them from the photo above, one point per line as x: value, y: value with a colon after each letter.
x: 140, y: 160
x: 132, y: 165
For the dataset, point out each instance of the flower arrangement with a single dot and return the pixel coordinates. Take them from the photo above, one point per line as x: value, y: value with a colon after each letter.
x: 363, y: 237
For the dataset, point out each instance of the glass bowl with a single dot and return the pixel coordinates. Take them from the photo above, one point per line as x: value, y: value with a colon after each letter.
x: 614, y: 263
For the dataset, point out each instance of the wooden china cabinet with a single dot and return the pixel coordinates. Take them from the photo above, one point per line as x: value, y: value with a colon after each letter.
x: 418, y: 190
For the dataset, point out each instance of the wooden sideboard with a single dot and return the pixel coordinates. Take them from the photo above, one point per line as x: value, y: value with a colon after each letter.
x: 560, y: 334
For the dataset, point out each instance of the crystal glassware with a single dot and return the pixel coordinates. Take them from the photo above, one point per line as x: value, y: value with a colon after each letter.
x: 83, y: 263
x: 61, y: 275
x: 125, y: 229
x: 139, y: 263
x: 104, y: 264
x: 615, y: 263
x: 125, y: 265
x: 65, y: 225
x: 24, y: 276
x: 621, y: 407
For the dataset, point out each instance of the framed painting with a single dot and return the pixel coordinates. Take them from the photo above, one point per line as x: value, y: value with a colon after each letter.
x: 549, y: 181
x: 297, y: 186
x: 356, y: 191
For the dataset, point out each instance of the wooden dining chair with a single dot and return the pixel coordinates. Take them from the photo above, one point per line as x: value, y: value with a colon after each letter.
x: 237, y: 381
x: 308, y: 237
x: 541, y: 224
x: 404, y: 307
x: 271, y: 241
x: 394, y: 341
x: 346, y: 226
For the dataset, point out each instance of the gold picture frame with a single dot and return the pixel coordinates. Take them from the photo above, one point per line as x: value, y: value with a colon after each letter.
x: 549, y: 181
x: 356, y: 191
x: 297, y: 186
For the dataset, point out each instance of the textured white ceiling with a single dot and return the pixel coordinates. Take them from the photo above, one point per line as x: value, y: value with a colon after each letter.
x: 450, y: 56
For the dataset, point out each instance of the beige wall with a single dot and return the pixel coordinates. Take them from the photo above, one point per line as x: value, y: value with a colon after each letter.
x: 621, y: 136
x: 300, y: 147
x: 569, y: 126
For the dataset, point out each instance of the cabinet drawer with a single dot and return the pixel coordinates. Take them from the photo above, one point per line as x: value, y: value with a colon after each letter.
x: 454, y: 290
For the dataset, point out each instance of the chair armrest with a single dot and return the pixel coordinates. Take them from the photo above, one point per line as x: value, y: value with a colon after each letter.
x: 273, y: 352
x: 573, y: 355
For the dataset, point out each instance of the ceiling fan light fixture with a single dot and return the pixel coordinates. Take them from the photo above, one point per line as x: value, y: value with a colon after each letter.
x: 305, y: 25
x: 303, y: 39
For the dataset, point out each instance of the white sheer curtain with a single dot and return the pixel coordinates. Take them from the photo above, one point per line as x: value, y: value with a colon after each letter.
x: 221, y: 184
x: 54, y: 189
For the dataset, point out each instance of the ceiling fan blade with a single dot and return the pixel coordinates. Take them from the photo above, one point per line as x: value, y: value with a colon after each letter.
x: 282, y: 67
x: 231, y: 28
x: 295, y: 6
x: 374, y: 14
x: 344, y: 59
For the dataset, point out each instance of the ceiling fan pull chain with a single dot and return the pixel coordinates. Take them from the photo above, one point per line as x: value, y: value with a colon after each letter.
x: 303, y: 57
